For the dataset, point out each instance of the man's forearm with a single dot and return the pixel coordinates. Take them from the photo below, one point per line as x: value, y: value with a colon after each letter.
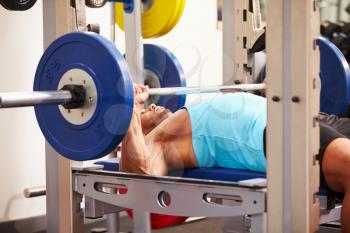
x: 141, y: 155
x: 134, y: 149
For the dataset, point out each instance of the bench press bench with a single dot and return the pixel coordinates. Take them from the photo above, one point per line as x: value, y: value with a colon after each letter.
x: 209, y: 192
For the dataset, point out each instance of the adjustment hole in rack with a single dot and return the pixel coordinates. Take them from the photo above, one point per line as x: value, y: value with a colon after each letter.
x: 109, y: 188
x: 164, y: 199
x: 223, y: 199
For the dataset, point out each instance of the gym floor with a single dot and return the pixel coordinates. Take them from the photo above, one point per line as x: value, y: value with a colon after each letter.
x: 199, y: 226
x: 209, y: 225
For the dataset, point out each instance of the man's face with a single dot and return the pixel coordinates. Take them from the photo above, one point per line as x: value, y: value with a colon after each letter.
x: 152, y: 116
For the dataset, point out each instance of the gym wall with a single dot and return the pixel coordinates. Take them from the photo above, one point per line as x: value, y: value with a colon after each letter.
x: 22, y: 163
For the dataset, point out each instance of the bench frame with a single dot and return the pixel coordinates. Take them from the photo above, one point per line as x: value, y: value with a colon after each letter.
x: 242, y: 204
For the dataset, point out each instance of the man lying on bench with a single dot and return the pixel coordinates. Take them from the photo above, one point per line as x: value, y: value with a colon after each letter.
x: 226, y: 131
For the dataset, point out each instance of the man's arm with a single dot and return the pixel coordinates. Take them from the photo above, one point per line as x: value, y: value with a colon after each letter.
x: 134, y: 149
x: 139, y: 156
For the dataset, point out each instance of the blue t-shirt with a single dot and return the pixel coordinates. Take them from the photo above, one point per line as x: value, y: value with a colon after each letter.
x: 228, y: 131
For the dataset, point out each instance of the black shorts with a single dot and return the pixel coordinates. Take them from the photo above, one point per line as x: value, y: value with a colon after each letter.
x: 331, y: 128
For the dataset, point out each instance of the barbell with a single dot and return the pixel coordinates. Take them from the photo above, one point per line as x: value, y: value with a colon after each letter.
x: 74, y: 98
x: 83, y: 93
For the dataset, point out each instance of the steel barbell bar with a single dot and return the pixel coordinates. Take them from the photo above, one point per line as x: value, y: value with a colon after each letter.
x: 208, y: 89
x: 36, y: 98
x: 24, y: 99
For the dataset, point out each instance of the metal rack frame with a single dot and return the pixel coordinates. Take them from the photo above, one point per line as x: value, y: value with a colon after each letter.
x: 293, y: 65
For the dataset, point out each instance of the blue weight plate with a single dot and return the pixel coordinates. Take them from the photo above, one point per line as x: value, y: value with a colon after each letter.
x: 335, y: 79
x: 164, y: 64
x: 102, y: 61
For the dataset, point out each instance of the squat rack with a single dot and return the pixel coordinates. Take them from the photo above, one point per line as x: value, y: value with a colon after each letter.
x: 293, y: 66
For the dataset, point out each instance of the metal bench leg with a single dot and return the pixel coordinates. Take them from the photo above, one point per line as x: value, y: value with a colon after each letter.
x: 113, y: 222
x: 258, y: 223
x: 234, y: 224
x: 142, y: 223
x: 244, y: 224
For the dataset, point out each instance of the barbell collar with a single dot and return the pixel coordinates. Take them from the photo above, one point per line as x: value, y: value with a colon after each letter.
x: 78, y: 96
x: 208, y: 89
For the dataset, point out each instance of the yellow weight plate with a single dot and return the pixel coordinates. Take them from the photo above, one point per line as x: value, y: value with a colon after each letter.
x: 159, y: 19
x: 175, y: 19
